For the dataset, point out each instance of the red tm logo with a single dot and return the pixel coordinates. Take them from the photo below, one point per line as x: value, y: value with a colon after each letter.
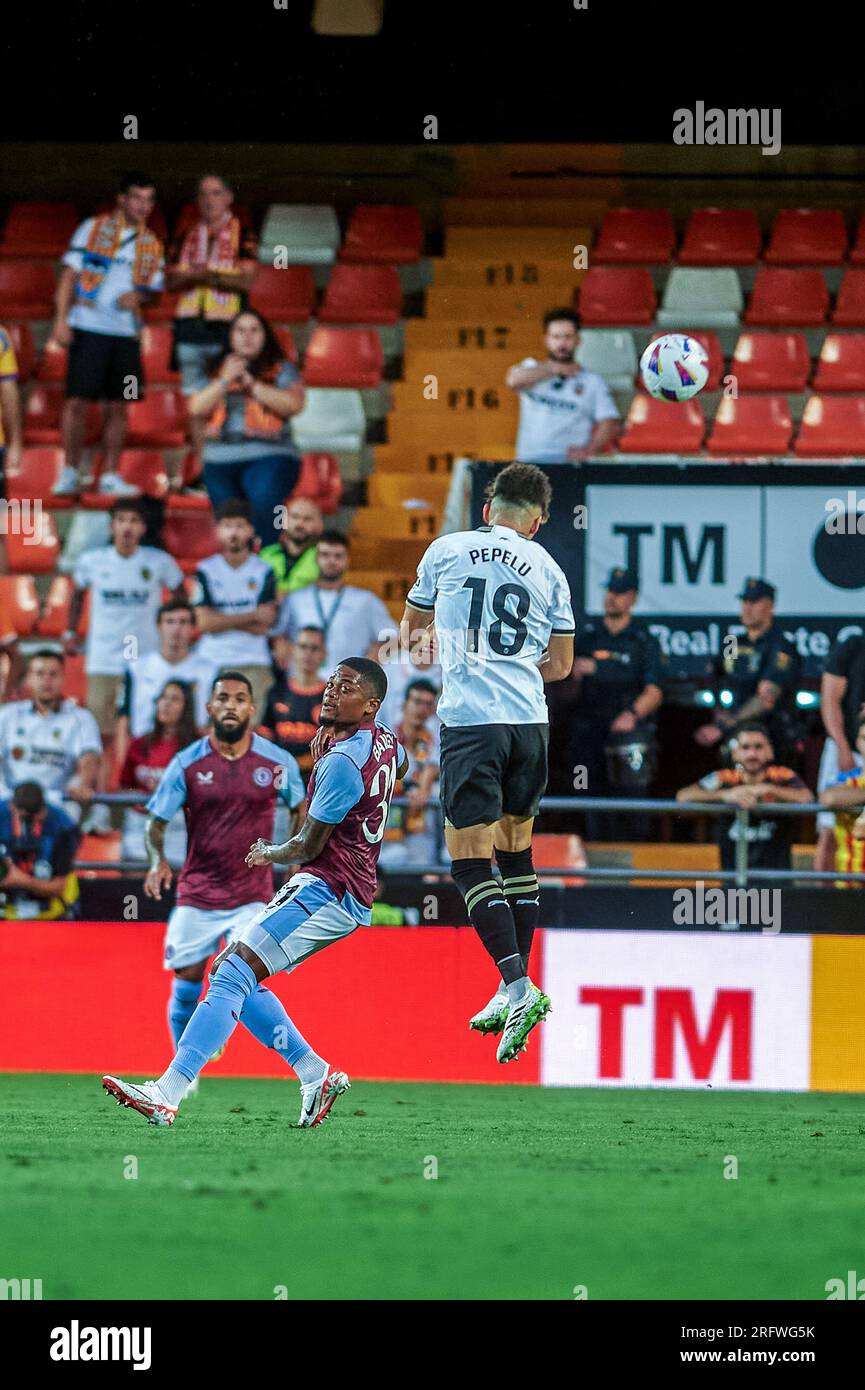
x: 674, y: 1009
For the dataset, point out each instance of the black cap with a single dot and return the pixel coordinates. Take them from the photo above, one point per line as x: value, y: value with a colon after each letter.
x: 757, y: 588
x: 622, y: 581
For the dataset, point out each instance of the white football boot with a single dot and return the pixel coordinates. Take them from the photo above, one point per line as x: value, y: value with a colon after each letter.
x: 317, y: 1098
x: 147, y: 1099
x: 494, y: 1015
x: 522, y: 1018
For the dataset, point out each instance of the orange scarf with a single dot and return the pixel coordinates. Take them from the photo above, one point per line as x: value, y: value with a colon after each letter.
x: 258, y: 421
x: 199, y: 253
x: 102, y: 246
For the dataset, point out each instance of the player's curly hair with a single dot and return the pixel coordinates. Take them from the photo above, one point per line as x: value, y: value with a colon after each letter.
x: 522, y: 486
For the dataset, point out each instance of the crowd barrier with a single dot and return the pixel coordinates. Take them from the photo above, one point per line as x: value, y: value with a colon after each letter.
x: 675, y: 1008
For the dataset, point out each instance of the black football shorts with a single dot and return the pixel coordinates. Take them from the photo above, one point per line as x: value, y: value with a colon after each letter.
x: 492, y: 770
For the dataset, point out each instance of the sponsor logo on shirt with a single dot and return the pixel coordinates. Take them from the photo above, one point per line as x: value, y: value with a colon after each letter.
x: 205, y: 777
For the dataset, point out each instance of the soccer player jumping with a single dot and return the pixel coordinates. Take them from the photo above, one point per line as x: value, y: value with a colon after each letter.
x: 504, y: 622
x: 358, y: 763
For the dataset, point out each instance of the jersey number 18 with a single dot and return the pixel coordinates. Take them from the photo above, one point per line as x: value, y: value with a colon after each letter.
x: 505, y: 617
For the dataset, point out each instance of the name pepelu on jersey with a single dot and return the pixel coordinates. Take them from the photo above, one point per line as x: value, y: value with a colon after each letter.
x: 498, y: 597
x: 351, y: 788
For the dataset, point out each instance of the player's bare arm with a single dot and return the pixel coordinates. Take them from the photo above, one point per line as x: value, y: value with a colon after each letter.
x: 414, y: 621
x: 83, y: 784
x: 761, y: 703
x: 159, y: 873
x: 557, y: 660
x: 302, y: 848
x: 842, y: 796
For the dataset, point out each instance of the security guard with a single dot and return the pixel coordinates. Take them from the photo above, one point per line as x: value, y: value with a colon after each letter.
x: 619, y: 668
x: 760, y: 674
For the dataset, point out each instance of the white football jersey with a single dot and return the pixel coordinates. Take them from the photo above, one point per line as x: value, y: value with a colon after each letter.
x: 44, y: 748
x: 498, y: 597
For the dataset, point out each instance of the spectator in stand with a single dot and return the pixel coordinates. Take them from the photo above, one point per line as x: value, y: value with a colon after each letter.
x: 845, y: 796
x: 38, y: 844
x: 212, y: 264
x: 565, y: 412
x: 420, y: 662
x: 113, y: 269
x: 126, y: 580
x: 174, y: 727
x: 353, y: 620
x: 293, y: 706
x: 411, y: 838
x: 759, y: 675
x: 842, y: 705
x: 145, y: 678
x: 618, y: 675
x: 247, y: 410
x: 235, y: 602
x: 49, y: 739
x: 292, y: 557
x: 10, y: 420
x: 753, y: 778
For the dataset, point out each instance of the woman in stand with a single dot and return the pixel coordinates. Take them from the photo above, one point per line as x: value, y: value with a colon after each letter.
x: 146, y: 760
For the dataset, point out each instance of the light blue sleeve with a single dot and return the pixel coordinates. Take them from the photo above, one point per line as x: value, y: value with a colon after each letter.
x: 170, y: 795
x: 338, y: 787
x: 291, y: 789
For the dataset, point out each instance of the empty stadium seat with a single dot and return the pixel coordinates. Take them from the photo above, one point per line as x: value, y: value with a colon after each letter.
x: 662, y: 427
x: 26, y: 290
x: 36, y: 475
x: 771, y: 362
x: 362, y: 294
x: 857, y: 251
x: 159, y: 420
x: 807, y: 236
x: 301, y: 233
x: 795, y: 297
x: 55, y: 611
x: 721, y: 237
x: 100, y: 849
x: 636, y: 236
x: 287, y: 343
x: 75, y: 679
x: 841, y: 364
x: 832, y: 427
x: 284, y: 296
x: 332, y: 420
x: 38, y: 229
x: 849, y: 309
x: 53, y: 363
x: 25, y: 556
x: 343, y: 357
x: 402, y: 489
x: 609, y: 352
x: 20, y: 602
x: 21, y: 337
x: 156, y: 348
x: 552, y: 851
x: 383, y: 233
x: 385, y: 523
x: 42, y: 417
x: 612, y: 295
x: 703, y: 298
x: 751, y: 425
x: 321, y: 480
x: 190, y: 537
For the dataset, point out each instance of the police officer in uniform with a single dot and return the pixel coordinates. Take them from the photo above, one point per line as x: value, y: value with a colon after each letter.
x: 618, y: 667
x: 761, y: 676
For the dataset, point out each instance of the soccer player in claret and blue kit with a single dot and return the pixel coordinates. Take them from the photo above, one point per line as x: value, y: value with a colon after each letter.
x: 357, y: 765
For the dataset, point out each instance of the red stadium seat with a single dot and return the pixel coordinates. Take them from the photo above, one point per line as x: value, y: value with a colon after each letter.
x: 159, y: 420
x: 721, y: 236
x: 100, y: 849
x: 751, y: 425
x: 284, y: 296
x: 39, y: 229
x: 771, y: 362
x: 711, y: 342
x: 857, y: 251
x: 320, y: 480
x: 20, y: 602
x: 832, y: 427
x: 635, y: 236
x: 850, y: 305
x: 795, y: 297
x: 25, y: 557
x: 38, y: 472
x: 841, y: 364
x: 287, y: 343
x: 662, y: 427
x: 54, y: 362
x: 42, y: 417
x: 190, y: 537
x: 75, y: 679
x: 163, y: 311
x: 156, y: 346
x: 807, y: 236
x: 21, y: 338
x: 143, y: 468
x: 26, y: 290
x: 55, y: 611
x: 383, y: 234
x: 611, y: 295
x: 343, y: 357
x: 362, y: 294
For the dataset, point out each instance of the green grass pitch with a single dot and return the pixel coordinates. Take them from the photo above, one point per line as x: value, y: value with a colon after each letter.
x: 537, y: 1192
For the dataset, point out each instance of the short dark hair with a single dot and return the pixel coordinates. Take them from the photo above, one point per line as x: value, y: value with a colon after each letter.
x: 370, y: 673
x: 312, y: 627
x: 45, y: 653
x: 230, y: 676
x: 553, y: 315
x: 134, y: 178
x: 175, y: 605
x: 212, y: 174
x: 522, y: 485
x: 753, y: 726
x: 232, y: 508
x: 29, y: 798
x: 424, y: 686
x: 333, y: 537
x: 130, y: 504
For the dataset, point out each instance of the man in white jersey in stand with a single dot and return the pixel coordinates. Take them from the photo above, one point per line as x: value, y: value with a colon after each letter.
x: 503, y: 617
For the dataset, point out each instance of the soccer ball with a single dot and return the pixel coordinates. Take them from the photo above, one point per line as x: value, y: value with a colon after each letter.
x: 674, y: 368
